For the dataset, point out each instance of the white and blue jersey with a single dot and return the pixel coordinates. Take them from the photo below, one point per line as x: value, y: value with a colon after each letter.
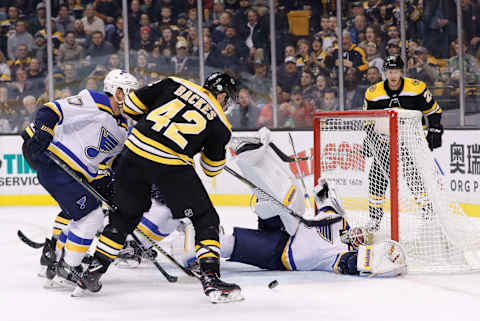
x: 86, y: 134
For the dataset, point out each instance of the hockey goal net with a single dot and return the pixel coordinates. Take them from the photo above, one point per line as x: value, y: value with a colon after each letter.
x: 388, y: 180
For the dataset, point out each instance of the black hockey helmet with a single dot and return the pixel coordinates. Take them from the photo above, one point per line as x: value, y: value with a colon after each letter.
x: 222, y: 83
x: 393, y: 62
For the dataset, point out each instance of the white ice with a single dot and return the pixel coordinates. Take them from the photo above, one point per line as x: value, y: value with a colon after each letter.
x: 143, y: 294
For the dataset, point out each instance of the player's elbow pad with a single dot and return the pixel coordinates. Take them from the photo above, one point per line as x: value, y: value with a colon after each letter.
x: 211, y: 168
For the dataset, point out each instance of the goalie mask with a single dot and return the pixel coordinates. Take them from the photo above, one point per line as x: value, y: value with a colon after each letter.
x: 119, y: 79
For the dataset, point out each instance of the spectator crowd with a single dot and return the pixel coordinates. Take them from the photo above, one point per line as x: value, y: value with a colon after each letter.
x: 88, y: 40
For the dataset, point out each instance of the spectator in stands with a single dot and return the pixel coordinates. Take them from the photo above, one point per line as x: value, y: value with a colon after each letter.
x: 166, y: 18
x: 145, y: 41
x: 114, y: 32
x: 9, y: 116
x: 167, y: 41
x: 393, y: 47
x: 452, y: 74
x: 266, y: 114
x: 64, y: 20
x: 441, y: 29
x: 5, y: 73
x: 358, y: 30
x: 21, y: 87
x: 245, y: 114
x: 57, y: 37
x: 92, y: 23
x: 181, y: 24
x: 71, y: 79
x: 70, y: 50
x: 91, y: 83
x: 254, y: 33
x: 21, y: 36
x: 374, y: 58
x: 209, y: 52
x: 65, y: 92
x: 12, y: 18
x: 151, y: 7
x: 240, y: 17
x: 192, y: 17
x: 114, y: 62
x: 259, y: 84
x: 218, y: 33
x: 39, y: 49
x: 302, y: 112
x: 303, y: 53
x: 288, y: 74
x: 307, y: 86
x: 317, y: 58
x: 471, y: 24
x: 80, y: 35
x: 216, y: 12
x: 181, y: 63
x: 38, y: 21
x: 99, y: 50
x: 28, y: 111
x: 321, y: 84
x: 290, y: 51
x: 419, y: 67
x: 241, y: 50
x: 35, y: 72
x: 22, y: 58
x: 330, y: 102
x: 108, y: 10
x: 141, y: 70
x: 373, y: 75
x: 353, y: 93
x: 354, y: 57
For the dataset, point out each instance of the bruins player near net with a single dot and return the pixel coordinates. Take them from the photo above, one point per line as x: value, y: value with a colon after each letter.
x: 176, y: 119
x: 406, y: 93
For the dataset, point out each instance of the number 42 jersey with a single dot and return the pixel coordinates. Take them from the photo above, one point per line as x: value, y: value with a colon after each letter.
x: 176, y: 119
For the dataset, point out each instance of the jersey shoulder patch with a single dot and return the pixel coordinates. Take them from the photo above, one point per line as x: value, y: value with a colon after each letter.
x: 414, y: 85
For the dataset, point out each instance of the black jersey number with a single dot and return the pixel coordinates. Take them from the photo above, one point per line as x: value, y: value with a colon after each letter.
x: 162, y: 116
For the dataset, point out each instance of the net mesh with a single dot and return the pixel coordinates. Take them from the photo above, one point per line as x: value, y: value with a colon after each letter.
x: 354, y: 154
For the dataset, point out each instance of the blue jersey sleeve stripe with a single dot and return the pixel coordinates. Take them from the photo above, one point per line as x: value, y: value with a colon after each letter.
x: 290, y: 255
x: 60, y: 110
x: 99, y: 98
x: 77, y: 239
x: 73, y: 157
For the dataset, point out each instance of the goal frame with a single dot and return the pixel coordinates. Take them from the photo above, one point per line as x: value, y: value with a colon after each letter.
x: 393, y: 147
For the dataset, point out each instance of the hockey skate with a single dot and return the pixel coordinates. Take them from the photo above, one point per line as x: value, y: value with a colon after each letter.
x: 48, y: 260
x: 219, y: 291
x: 66, y: 276
x: 90, y: 279
x: 132, y: 254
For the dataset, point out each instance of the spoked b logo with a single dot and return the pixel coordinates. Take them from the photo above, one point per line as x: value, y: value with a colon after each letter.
x: 188, y: 212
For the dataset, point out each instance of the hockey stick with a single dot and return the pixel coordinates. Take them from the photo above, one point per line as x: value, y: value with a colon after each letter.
x: 100, y: 197
x: 310, y: 223
x: 28, y: 241
x: 300, y: 175
x: 284, y: 157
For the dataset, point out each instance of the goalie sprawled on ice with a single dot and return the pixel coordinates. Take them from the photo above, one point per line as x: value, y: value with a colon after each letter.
x: 283, y: 243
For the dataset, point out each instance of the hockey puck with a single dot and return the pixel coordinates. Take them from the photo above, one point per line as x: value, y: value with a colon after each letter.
x: 273, y: 284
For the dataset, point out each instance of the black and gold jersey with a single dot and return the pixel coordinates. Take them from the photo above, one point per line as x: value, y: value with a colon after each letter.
x: 413, y: 95
x: 176, y: 119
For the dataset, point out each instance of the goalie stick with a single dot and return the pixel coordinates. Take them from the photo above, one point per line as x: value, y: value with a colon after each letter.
x: 81, y: 181
x: 310, y: 223
x: 300, y: 174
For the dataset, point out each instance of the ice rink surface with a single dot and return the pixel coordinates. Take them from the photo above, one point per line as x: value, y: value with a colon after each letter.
x: 143, y: 293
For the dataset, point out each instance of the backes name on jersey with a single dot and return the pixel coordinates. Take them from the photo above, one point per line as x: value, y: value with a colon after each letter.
x: 196, y: 101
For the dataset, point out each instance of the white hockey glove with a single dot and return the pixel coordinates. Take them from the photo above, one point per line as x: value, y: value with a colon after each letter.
x: 325, y: 196
x: 386, y: 259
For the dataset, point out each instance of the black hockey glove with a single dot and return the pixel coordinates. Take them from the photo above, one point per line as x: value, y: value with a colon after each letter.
x: 39, y: 142
x: 434, y: 136
x: 104, y: 186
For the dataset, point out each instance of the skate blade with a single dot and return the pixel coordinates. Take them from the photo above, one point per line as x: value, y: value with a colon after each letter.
x: 43, y: 272
x: 126, y: 264
x: 78, y: 292
x: 58, y: 282
x: 226, y: 297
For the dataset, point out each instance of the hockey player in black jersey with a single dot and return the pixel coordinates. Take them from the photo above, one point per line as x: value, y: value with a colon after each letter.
x: 176, y: 119
x: 406, y: 93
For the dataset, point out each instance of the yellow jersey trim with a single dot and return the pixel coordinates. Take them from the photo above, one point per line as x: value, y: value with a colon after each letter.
x: 105, y: 108
x: 285, y: 260
x: 149, y: 233
x: 76, y: 248
x: 113, y: 257
x: 57, y: 152
x: 55, y: 109
x: 153, y: 157
x: 287, y: 200
x: 110, y: 243
x: 211, y: 162
x: 215, y: 104
x: 62, y: 220
x: 137, y: 101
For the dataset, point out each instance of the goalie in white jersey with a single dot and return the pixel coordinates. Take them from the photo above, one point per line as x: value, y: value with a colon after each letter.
x: 283, y: 243
x: 86, y: 132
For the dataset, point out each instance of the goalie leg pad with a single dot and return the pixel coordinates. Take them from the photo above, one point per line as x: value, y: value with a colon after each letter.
x: 259, y: 248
